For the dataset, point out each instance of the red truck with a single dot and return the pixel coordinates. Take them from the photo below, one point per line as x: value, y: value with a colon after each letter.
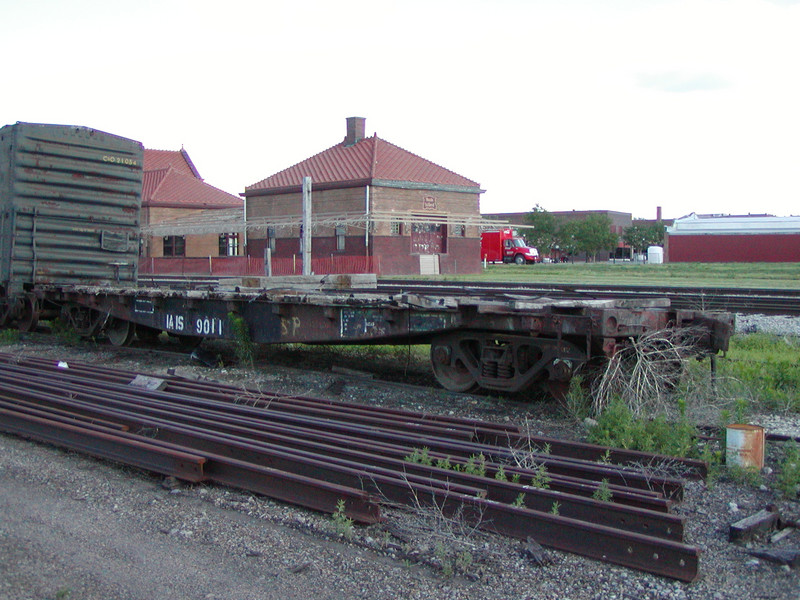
x: 507, y: 246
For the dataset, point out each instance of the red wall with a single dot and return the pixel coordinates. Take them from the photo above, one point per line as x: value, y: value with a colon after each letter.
x: 734, y: 248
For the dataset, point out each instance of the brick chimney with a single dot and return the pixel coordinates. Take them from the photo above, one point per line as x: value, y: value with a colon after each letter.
x: 355, y: 130
x: 658, y: 213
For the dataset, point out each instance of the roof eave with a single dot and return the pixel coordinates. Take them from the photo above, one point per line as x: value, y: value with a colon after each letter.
x: 293, y: 189
x: 337, y: 185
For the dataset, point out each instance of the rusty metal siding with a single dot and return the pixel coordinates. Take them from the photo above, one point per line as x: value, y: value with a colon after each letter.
x: 70, y: 200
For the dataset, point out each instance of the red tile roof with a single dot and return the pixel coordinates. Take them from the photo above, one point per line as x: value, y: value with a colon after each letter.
x: 155, y: 160
x: 369, y: 160
x: 170, y: 188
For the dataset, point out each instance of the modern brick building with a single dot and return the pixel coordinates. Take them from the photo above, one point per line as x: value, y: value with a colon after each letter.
x: 731, y: 238
x: 371, y: 201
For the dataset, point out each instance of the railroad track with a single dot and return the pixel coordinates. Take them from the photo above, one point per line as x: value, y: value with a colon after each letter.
x: 737, y: 300
x: 316, y: 453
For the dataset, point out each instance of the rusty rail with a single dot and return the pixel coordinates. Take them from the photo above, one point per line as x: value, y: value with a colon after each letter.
x: 315, y: 452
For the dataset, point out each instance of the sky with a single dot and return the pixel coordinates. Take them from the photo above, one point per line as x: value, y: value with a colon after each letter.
x: 623, y: 105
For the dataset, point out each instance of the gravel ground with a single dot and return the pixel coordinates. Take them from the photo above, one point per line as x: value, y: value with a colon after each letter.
x: 73, y: 527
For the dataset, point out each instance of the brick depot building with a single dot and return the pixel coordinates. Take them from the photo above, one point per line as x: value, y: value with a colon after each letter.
x: 173, y: 192
x: 724, y: 238
x: 373, y: 202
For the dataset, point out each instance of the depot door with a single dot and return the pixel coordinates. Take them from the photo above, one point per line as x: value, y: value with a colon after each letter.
x: 428, y: 238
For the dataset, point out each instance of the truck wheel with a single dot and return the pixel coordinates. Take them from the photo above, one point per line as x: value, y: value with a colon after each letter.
x: 519, y: 259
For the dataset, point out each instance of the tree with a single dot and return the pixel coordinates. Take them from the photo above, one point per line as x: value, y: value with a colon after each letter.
x: 595, y: 235
x: 543, y: 235
x: 590, y: 235
x: 640, y: 236
x: 568, y: 236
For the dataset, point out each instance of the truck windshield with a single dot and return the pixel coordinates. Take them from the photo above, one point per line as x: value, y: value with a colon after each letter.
x: 517, y: 243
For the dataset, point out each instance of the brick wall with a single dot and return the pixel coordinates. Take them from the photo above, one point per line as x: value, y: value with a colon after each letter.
x: 197, y: 245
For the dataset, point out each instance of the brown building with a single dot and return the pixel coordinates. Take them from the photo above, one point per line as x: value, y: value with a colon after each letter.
x: 372, y: 202
x: 173, y: 192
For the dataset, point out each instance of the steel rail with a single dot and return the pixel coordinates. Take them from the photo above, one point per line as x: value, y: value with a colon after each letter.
x: 504, y: 493
x: 231, y: 439
x: 444, y: 446
x: 614, y: 515
x: 110, y: 444
x: 260, y: 429
x: 647, y: 553
x: 171, y: 459
x: 483, y: 430
x: 487, y: 433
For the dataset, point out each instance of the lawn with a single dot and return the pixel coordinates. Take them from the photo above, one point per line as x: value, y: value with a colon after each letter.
x: 754, y: 275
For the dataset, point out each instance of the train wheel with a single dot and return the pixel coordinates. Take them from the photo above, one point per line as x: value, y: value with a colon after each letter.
x: 450, y: 371
x: 119, y: 331
x: 28, y: 315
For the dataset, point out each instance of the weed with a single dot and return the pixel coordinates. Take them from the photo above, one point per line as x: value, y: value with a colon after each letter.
x: 65, y: 332
x: 476, y: 465
x: 750, y: 476
x: 245, y: 348
x: 342, y: 523
x: 555, y: 508
x: 715, y: 466
x: 500, y: 474
x: 421, y: 457
x: 520, y: 501
x: 444, y: 463
x: 603, y: 492
x: 9, y: 336
x: 617, y: 426
x: 463, y: 560
x: 578, y: 403
x: 789, y: 470
x: 541, y: 478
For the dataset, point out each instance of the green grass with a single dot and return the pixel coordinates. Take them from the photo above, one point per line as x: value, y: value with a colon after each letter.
x: 767, y: 367
x: 756, y: 275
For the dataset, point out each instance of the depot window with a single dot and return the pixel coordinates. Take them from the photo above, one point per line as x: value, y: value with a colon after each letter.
x: 341, y: 232
x: 174, y: 245
x: 228, y: 244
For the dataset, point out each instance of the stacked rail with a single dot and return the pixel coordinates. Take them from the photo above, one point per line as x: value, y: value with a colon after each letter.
x: 315, y: 453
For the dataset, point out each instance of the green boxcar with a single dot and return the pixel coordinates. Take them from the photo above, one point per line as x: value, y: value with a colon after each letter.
x: 70, y: 203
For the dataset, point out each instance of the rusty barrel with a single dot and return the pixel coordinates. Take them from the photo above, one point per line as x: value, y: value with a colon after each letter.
x: 744, y: 445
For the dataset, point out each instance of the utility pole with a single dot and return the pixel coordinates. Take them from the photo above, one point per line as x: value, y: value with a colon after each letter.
x: 306, y: 225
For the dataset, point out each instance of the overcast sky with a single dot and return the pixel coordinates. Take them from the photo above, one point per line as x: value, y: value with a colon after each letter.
x: 626, y: 105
